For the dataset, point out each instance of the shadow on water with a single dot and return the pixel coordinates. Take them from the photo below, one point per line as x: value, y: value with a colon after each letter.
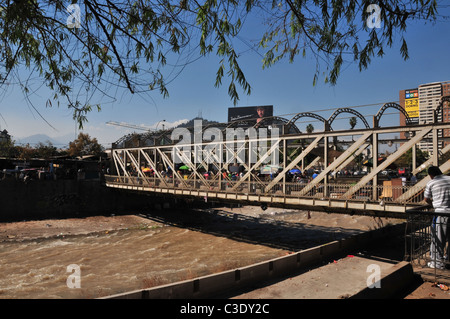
x: 262, y: 230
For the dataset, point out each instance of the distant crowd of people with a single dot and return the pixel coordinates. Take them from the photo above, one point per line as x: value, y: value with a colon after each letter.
x: 235, y: 172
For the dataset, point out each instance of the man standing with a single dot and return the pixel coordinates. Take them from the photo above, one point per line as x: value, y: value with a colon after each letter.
x: 437, y: 193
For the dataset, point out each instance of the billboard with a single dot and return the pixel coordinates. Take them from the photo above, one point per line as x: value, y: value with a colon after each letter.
x: 412, y: 103
x: 249, y: 115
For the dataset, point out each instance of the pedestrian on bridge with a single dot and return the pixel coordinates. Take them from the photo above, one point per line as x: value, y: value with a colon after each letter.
x: 437, y: 193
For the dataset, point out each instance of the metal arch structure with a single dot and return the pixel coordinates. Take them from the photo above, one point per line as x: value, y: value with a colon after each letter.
x: 307, y: 114
x: 276, y: 120
x: 390, y: 105
x: 215, y: 125
x: 235, y: 124
x: 163, y: 137
x: 265, y: 122
x: 120, y: 142
x: 439, y: 108
x: 347, y: 110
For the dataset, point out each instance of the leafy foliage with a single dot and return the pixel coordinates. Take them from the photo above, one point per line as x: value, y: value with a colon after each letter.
x: 338, y: 30
x: 82, y: 145
x: 85, y: 145
x: 406, y: 159
x: 8, y: 149
x: 129, y: 45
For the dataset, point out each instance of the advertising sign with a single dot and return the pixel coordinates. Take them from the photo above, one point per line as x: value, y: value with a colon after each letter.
x: 412, y: 103
x: 249, y: 115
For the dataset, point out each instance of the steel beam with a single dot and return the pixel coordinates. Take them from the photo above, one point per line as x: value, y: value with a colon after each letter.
x: 387, y: 162
x: 171, y: 164
x: 336, y: 163
x: 153, y: 166
x: 445, y: 168
x: 293, y: 163
x: 258, y: 163
x: 429, y: 161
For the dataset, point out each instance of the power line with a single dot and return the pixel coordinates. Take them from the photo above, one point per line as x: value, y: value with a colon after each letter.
x: 337, y: 108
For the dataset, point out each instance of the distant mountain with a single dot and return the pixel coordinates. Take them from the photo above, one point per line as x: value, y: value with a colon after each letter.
x: 62, y: 141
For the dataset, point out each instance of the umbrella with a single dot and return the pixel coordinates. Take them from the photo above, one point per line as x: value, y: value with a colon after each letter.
x: 184, y: 167
x: 295, y: 171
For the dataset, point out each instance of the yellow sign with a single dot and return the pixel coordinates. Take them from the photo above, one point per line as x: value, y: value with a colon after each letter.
x: 412, y: 107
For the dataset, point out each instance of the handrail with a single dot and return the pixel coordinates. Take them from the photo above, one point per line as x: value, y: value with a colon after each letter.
x: 420, y: 210
x: 386, y: 194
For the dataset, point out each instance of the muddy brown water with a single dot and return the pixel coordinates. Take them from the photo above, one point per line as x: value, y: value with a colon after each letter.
x: 166, y: 248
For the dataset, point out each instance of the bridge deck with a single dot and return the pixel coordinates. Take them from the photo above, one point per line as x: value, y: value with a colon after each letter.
x: 253, y: 194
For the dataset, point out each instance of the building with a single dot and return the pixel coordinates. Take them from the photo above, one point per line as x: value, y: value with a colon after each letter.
x: 420, y: 103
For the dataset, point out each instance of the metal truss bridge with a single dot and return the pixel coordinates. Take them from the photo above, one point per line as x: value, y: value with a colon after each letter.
x: 259, y: 163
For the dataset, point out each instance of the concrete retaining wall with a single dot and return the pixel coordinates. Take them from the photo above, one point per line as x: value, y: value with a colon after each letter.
x: 211, y: 285
x: 66, y: 198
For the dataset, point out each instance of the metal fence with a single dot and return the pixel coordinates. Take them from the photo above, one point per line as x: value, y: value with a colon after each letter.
x: 422, y: 245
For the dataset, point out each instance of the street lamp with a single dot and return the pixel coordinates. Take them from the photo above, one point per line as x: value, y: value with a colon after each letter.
x: 156, y: 128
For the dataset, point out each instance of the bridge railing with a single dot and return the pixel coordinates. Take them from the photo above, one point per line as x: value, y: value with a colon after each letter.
x: 422, y: 225
x: 368, y: 193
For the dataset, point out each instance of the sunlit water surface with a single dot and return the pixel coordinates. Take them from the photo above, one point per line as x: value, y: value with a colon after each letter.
x: 118, y: 261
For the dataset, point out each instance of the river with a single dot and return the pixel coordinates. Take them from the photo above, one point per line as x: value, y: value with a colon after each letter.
x: 166, y: 247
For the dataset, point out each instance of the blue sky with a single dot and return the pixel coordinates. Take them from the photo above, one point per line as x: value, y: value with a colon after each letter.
x: 288, y: 87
